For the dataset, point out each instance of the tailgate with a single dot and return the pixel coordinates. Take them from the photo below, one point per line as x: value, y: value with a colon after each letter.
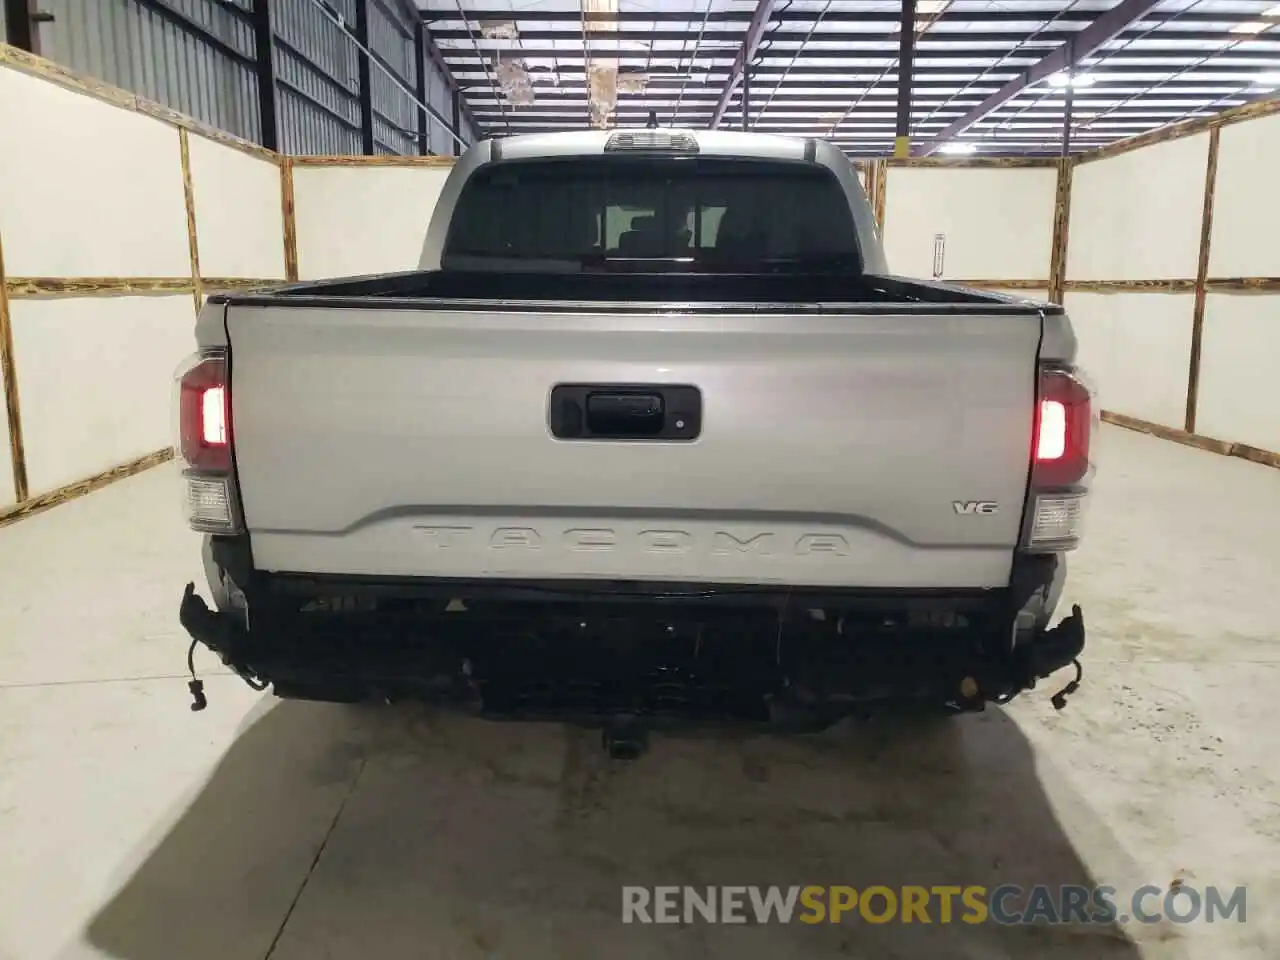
x: 848, y: 449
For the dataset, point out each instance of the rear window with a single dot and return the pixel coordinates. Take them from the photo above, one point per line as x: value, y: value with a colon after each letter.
x: 722, y: 213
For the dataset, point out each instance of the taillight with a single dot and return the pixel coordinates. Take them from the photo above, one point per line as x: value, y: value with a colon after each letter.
x: 1063, y: 427
x: 204, y: 432
x: 203, y: 443
x: 1063, y: 430
x: 1051, y: 436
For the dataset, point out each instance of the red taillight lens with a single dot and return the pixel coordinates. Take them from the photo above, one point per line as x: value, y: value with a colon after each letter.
x: 1051, y: 438
x: 1063, y: 427
x: 204, y: 427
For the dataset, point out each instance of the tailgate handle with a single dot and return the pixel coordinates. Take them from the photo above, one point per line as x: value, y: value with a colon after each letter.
x: 625, y: 411
x: 625, y: 414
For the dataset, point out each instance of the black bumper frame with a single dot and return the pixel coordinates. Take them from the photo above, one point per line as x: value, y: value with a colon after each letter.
x: 592, y: 651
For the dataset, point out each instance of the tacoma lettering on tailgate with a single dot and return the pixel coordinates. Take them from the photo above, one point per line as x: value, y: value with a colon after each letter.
x: 607, y: 539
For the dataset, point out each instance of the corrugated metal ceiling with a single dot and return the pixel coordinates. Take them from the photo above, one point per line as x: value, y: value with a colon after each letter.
x: 829, y: 67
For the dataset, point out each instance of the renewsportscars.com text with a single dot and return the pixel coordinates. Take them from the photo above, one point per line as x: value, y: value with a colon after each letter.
x: 936, y: 904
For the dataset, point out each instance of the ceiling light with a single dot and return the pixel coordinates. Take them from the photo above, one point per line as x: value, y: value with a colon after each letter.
x: 958, y: 148
x: 1061, y: 80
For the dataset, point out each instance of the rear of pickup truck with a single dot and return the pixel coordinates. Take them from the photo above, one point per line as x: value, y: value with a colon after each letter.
x: 653, y: 435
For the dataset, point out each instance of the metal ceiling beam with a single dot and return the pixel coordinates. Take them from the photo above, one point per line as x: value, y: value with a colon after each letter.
x: 922, y: 98
x: 837, y: 92
x: 882, y: 114
x: 1106, y: 27
x: 264, y: 68
x: 1047, y: 38
x: 471, y: 78
x: 882, y: 110
x: 364, y: 70
x: 750, y: 43
x: 969, y: 59
x: 21, y: 21
x: 906, y: 63
x: 887, y: 17
x: 848, y: 52
x: 958, y: 72
x: 706, y: 99
x: 420, y: 87
x: 437, y: 59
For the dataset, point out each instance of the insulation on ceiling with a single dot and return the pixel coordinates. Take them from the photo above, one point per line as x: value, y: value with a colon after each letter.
x: 514, y: 81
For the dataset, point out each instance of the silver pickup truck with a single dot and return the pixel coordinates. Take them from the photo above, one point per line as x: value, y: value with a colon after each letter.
x: 651, y: 436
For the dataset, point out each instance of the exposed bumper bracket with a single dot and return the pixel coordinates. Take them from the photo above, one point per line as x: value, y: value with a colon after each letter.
x: 1056, y: 647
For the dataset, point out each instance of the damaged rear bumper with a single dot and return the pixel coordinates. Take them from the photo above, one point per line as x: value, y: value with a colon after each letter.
x: 595, y: 652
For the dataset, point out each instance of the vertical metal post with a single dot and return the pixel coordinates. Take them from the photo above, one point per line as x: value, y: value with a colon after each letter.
x: 265, y: 71
x: 746, y: 97
x: 364, y: 72
x: 420, y: 61
x: 21, y: 18
x: 1066, y: 119
x: 906, y: 67
x: 456, y: 100
x: 1068, y: 100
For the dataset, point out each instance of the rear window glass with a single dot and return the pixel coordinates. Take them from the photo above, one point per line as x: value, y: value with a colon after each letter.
x: 720, y: 212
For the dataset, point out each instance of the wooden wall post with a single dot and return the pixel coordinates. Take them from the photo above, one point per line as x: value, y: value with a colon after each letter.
x: 189, y: 198
x: 17, y: 452
x: 1202, y: 275
x: 288, y: 220
x: 882, y: 183
x: 1061, y: 231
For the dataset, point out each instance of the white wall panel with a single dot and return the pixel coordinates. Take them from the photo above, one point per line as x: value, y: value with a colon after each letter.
x: 358, y: 220
x: 1137, y: 216
x: 94, y: 375
x: 1095, y: 336
x: 1246, y: 203
x: 998, y: 223
x: 239, y: 224
x: 1238, y: 349
x: 1137, y: 346
x: 7, y: 494
x: 88, y: 190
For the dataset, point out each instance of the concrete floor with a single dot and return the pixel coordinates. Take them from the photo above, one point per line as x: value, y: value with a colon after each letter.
x: 131, y: 828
